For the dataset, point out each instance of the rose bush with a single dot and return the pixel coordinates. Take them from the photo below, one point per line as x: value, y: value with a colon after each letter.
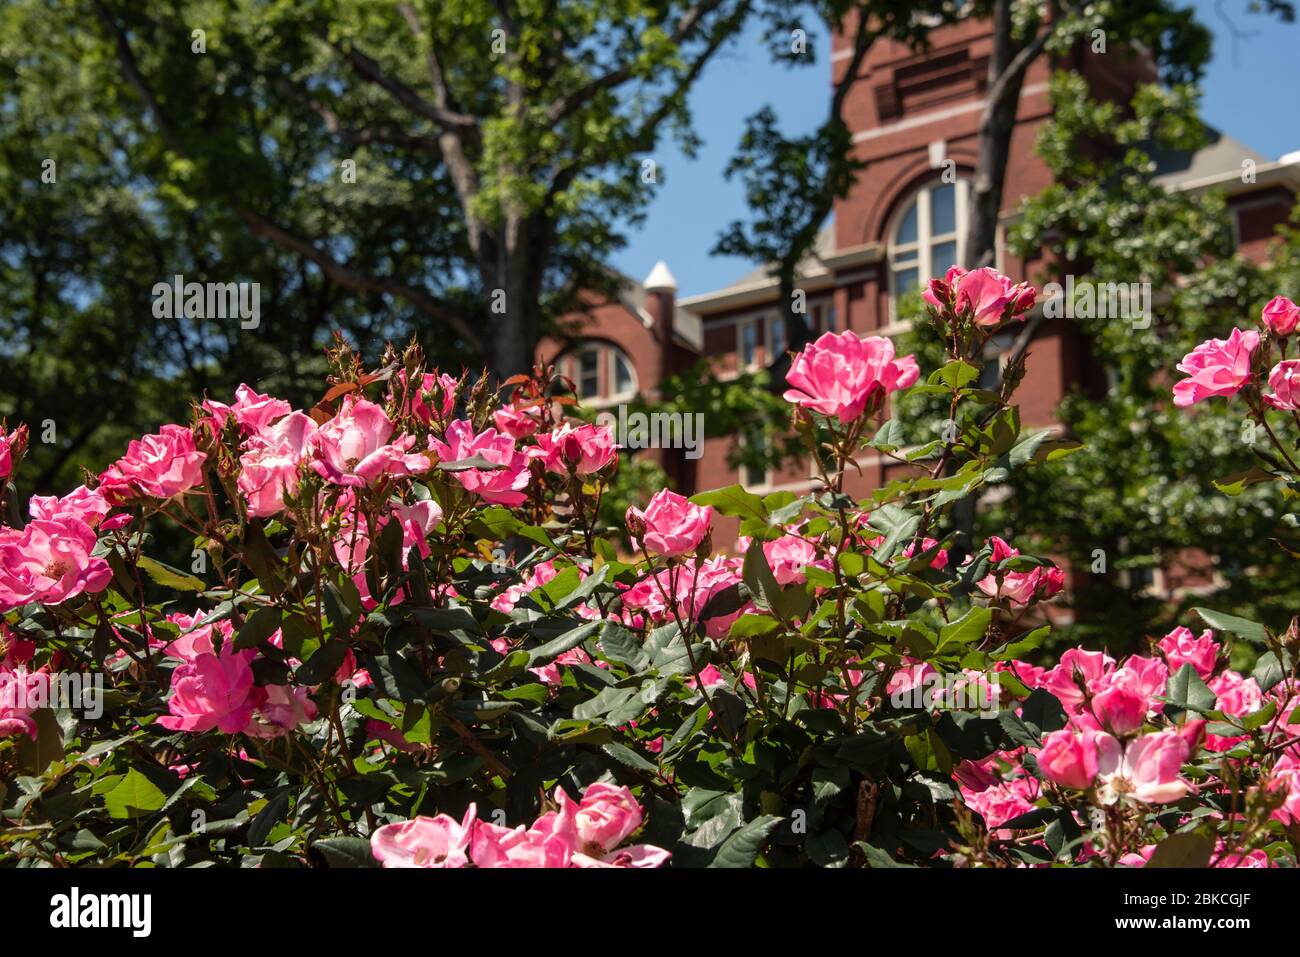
x: 408, y: 639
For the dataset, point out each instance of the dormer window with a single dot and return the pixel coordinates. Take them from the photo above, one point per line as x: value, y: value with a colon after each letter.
x: 601, y: 373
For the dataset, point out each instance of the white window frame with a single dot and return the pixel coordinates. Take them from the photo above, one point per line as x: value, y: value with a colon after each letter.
x: 607, y: 356
x: 769, y: 340
x: 923, y: 248
x: 742, y: 326
x: 615, y: 354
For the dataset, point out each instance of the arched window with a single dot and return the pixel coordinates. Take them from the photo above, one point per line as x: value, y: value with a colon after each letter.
x: 600, y: 372
x: 928, y: 236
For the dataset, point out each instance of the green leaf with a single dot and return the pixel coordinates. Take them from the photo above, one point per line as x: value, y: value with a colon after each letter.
x: 1188, y: 692
x: 890, y: 437
x: 346, y: 852
x: 170, y: 577
x: 956, y: 374
x: 1022, y: 646
x: 969, y: 628
x: 322, y: 665
x: 619, y: 644
x: 133, y: 795
x: 1241, y: 627
x: 879, y: 858
x: 1238, y: 482
x: 751, y: 626
x: 266, y: 819
x: 258, y: 627
x: 733, y: 500
x: 565, y: 642
x: 625, y: 755
x: 476, y: 462
x: 1268, y: 671
x: 740, y: 849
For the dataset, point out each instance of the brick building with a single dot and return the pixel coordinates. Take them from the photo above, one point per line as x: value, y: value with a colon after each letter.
x: 913, y: 117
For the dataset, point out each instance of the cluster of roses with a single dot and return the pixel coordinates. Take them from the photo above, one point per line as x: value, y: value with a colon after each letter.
x: 1120, y: 751
x: 353, y: 471
x: 586, y: 833
x: 1223, y: 367
x: 57, y: 555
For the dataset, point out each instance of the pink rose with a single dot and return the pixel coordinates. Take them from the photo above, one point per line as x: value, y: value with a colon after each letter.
x: 940, y: 559
x: 212, y: 691
x: 1146, y: 770
x: 417, y: 520
x: 607, y: 815
x: 501, y: 485
x: 352, y: 448
x: 1069, y: 758
x: 86, y: 505
x: 840, y: 374
x: 585, y: 449
x: 688, y: 588
x: 1281, y: 316
x: 270, y: 469
x: 156, y: 466
x: 433, y: 399
x: 1218, y: 367
x: 1077, y: 670
x: 439, y: 841
x: 252, y: 411
x: 540, y: 574
x: 21, y: 693
x: 515, y: 423
x: 1181, y: 648
x: 1019, y: 587
x: 548, y: 843
x: 278, y: 709
x: 49, y: 562
x: 788, y: 556
x: 1121, y: 707
x: 671, y: 525
x: 1284, y: 380
x: 12, y: 446
x: 990, y: 296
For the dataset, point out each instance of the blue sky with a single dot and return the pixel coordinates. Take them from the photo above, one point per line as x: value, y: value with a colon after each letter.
x: 1250, y: 92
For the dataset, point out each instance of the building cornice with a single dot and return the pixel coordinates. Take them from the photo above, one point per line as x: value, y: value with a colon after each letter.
x: 820, y: 277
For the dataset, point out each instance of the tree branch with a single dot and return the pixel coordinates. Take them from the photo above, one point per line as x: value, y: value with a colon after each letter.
x: 259, y: 225
x: 686, y: 25
x: 350, y: 278
x: 369, y: 70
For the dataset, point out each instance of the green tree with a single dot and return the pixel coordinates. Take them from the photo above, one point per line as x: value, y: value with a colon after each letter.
x: 455, y: 170
x: 1144, y: 492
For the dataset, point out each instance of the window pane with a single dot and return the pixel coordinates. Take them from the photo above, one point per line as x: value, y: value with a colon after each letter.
x: 830, y: 319
x: 622, y: 375
x: 749, y: 343
x: 945, y: 255
x: 589, y: 374
x: 905, y: 279
x: 943, y: 209
x: 907, y: 228
x: 777, y: 344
